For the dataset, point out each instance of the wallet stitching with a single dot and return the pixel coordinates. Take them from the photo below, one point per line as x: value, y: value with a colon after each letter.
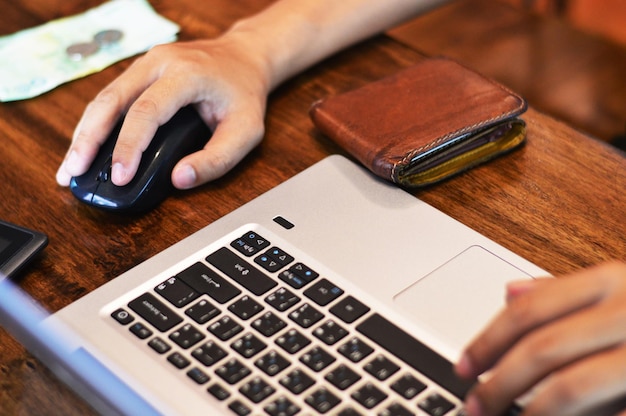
x: 411, y: 154
x: 517, y: 110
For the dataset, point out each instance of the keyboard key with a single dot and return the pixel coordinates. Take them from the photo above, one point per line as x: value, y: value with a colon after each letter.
x: 209, y: 353
x: 245, y: 307
x: 140, y: 330
x: 250, y: 243
x: 281, y: 407
x: 330, y: 332
x: 241, y: 271
x: 298, y: 275
x: 239, y: 408
x: 176, y: 292
x: 349, y: 309
x: 435, y: 405
x: 122, y: 316
x: 322, y: 400
x: 279, y: 255
x: 202, y: 312
x: 292, y: 341
x: 306, y: 315
x: 187, y: 336
x: 232, y: 371
x: 396, y: 409
x: 414, y: 353
x: 268, y: 324
x: 342, y: 377
x: 282, y: 299
x: 218, y: 391
x: 204, y: 280
x: 248, y: 345
x: 159, y: 345
x: 323, y: 292
x: 381, y: 367
x: 178, y: 360
x: 369, y: 395
x: 317, y: 359
x: 408, y: 386
x: 349, y: 411
x: 272, y: 363
x: 283, y: 222
x: 225, y: 328
x: 297, y: 381
x: 155, y: 312
x: 198, y: 375
x: 257, y: 390
x: 268, y: 263
x: 273, y: 259
x: 355, y: 349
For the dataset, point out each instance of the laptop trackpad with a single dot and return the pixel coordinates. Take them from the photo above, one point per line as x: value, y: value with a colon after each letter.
x: 458, y: 299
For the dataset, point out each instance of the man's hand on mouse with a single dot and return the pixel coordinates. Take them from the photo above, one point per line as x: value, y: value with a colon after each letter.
x: 227, y: 79
x: 219, y: 77
x: 567, y: 335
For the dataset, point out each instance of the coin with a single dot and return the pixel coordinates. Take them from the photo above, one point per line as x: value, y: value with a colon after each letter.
x: 79, y: 51
x: 108, y: 37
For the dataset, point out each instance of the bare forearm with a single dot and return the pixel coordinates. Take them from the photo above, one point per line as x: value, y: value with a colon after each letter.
x: 227, y: 79
x: 292, y: 35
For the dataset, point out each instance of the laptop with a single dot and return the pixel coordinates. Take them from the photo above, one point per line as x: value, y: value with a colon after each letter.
x: 333, y: 293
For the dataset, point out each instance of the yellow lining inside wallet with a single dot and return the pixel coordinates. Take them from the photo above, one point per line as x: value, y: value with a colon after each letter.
x: 463, y: 154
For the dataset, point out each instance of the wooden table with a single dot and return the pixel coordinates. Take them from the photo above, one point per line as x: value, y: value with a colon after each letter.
x: 562, y: 71
x: 558, y: 201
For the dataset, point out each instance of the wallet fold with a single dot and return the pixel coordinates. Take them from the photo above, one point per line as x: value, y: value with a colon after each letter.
x: 425, y: 123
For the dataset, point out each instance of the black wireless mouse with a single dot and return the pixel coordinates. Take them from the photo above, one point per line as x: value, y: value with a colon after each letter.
x: 183, y: 134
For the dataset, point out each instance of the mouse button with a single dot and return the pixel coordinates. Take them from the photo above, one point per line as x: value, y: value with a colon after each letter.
x: 126, y: 194
x: 110, y: 196
x: 104, y: 175
x: 183, y: 134
x: 135, y: 197
x: 84, y: 188
x: 103, y: 202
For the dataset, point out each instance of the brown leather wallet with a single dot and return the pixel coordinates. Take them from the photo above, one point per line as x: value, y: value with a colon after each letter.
x: 425, y: 123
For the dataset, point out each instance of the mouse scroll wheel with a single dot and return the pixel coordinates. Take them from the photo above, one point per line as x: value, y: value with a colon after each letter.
x: 105, y: 173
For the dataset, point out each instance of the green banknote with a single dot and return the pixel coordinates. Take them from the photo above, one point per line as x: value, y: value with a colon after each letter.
x: 36, y: 60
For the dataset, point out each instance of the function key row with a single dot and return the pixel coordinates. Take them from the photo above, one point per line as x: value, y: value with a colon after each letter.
x: 273, y: 259
x: 198, y: 279
x: 298, y: 275
x: 250, y: 244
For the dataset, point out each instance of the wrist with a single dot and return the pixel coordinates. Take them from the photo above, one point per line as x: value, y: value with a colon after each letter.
x: 261, y: 48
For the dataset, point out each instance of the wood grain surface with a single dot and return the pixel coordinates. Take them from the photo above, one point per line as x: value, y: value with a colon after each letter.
x: 562, y: 71
x: 559, y: 201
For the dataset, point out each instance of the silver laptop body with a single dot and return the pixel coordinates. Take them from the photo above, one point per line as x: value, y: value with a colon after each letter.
x: 333, y: 291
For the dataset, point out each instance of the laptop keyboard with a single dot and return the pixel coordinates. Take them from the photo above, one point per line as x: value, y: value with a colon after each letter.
x: 264, y: 333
